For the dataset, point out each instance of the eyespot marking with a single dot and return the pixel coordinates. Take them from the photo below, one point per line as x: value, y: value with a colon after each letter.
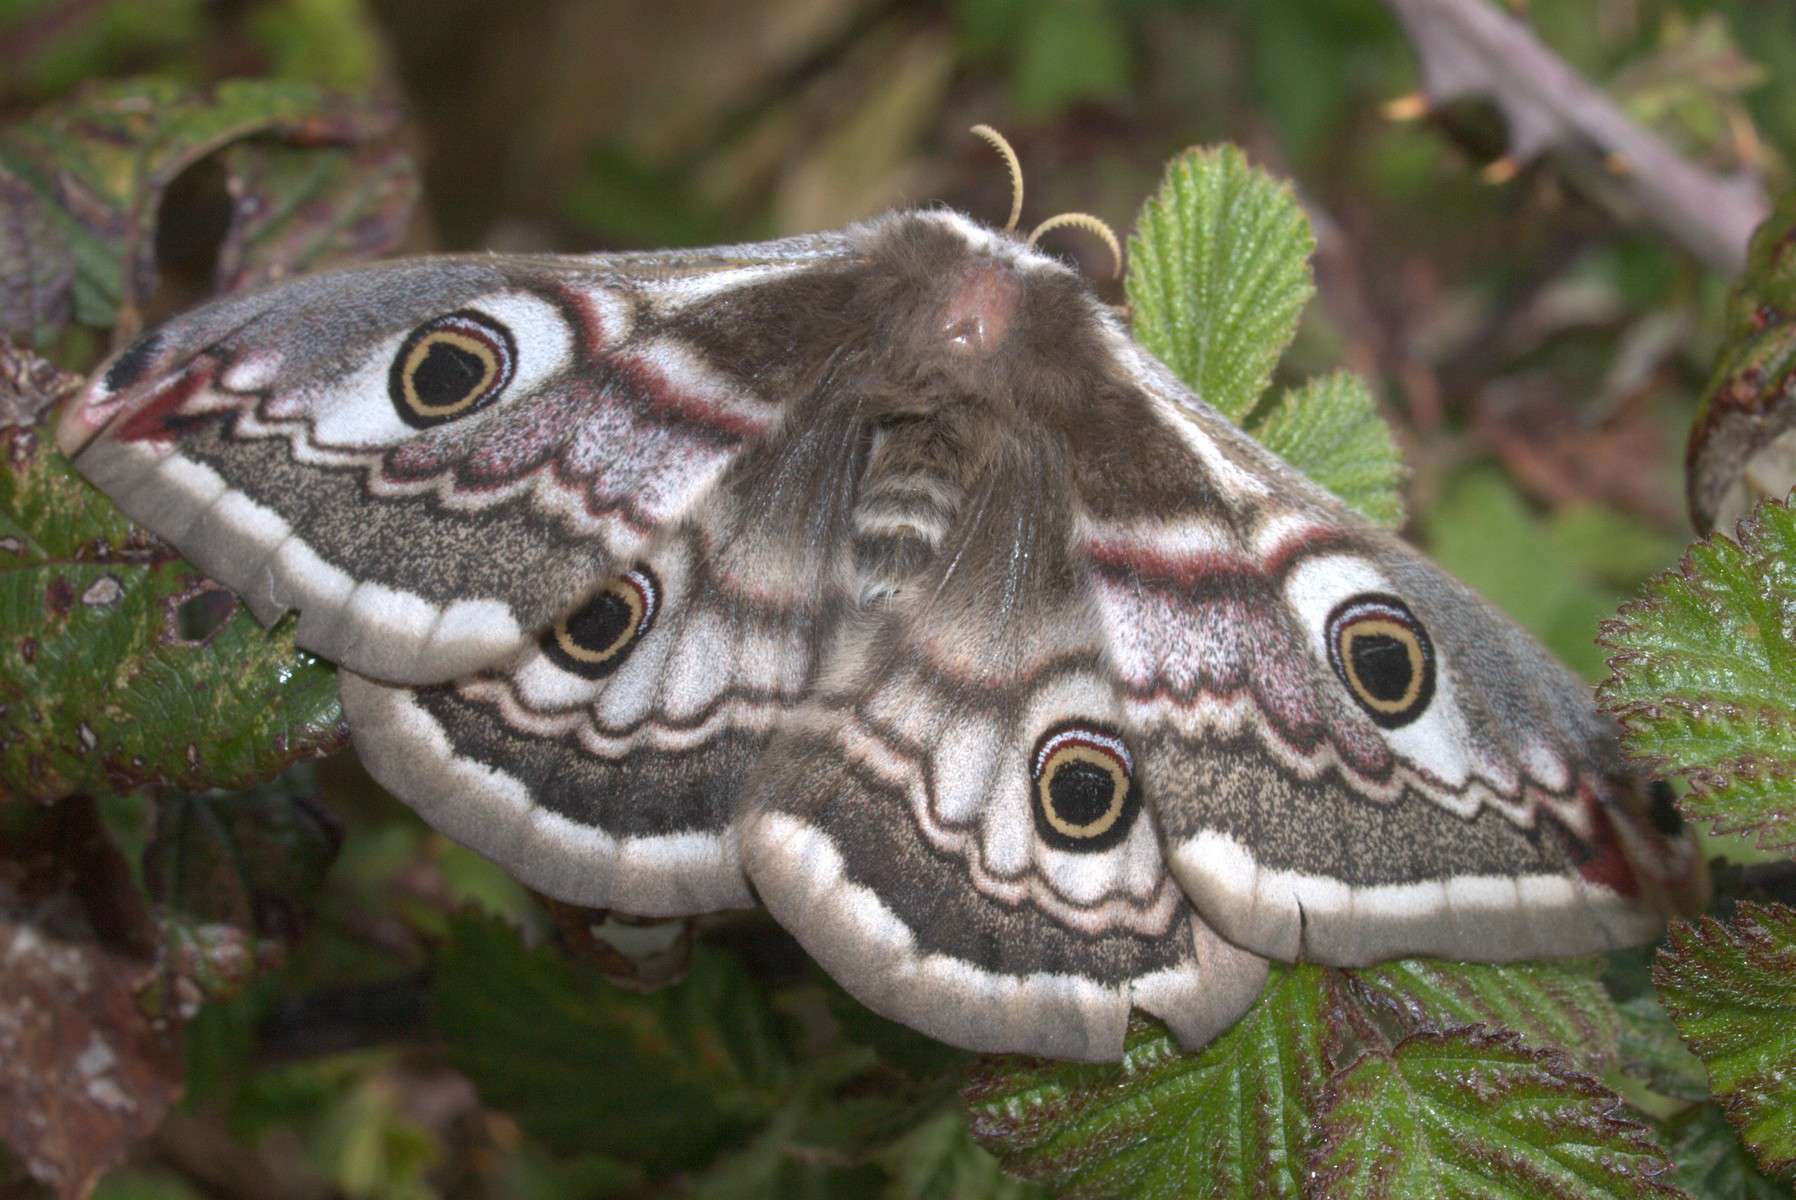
x: 1084, y: 794
x: 449, y: 367
x: 594, y: 639
x: 1384, y: 656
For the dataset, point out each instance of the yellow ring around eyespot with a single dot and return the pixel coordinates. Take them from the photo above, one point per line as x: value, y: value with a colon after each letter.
x: 1119, y: 790
x: 1412, y: 646
x: 579, y: 653
x: 461, y: 341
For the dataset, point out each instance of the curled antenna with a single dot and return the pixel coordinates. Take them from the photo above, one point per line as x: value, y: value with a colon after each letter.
x: 1002, y: 146
x: 1088, y: 223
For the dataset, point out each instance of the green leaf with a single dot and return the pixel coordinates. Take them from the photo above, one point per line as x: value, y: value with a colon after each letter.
x: 37, y: 273
x: 697, y: 1081
x: 1067, y: 51
x: 1218, y: 275
x: 939, y: 1160
x: 1331, y: 431
x: 337, y: 42
x: 1559, y: 1006
x: 667, y: 1079
x: 1615, y: 548
x: 1473, y: 1113
x: 368, y: 1146
x: 97, y: 167
x: 97, y: 40
x: 1731, y: 988
x: 1058, y: 51
x: 1236, y: 1117
x: 252, y: 859
x: 1652, y: 1052
x: 1229, y: 1120
x: 298, y: 209
x: 1704, y: 677
x: 1711, y: 1162
x: 1482, y: 531
x: 135, y: 1183
x: 123, y: 666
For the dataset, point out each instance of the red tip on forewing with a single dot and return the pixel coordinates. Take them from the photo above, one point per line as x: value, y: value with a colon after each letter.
x: 148, y: 419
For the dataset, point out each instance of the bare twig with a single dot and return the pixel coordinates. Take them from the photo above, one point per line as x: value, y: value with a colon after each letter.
x: 1469, y: 47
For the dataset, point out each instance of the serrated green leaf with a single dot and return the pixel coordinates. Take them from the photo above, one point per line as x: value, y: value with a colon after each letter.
x: 666, y: 1079
x: 37, y: 273
x: 1475, y: 1114
x: 100, y: 163
x: 253, y: 859
x: 1711, y: 1162
x: 1731, y: 988
x: 299, y: 209
x: 1229, y: 1120
x: 1652, y: 1052
x: 1235, y: 1118
x: 1218, y: 275
x: 1559, y: 1006
x: 1331, y: 431
x: 1703, y: 679
x: 100, y: 688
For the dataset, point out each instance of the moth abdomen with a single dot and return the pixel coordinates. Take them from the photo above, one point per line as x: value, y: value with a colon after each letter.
x: 910, y: 493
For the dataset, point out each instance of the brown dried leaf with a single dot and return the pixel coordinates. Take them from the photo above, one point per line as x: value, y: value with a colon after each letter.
x: 29, y: 385
x: 85, y: 1071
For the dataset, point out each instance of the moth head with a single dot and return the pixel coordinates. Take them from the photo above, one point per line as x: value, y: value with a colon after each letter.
x: 958, y: 311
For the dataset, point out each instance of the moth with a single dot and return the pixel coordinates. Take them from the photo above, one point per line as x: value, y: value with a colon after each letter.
x: 879, y: 577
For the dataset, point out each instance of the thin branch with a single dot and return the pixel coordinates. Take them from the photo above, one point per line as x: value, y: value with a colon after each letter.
x: 1470, y: 47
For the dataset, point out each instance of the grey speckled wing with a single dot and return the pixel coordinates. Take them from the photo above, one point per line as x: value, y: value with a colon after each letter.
x: 1352, y: 757
x: 953, y: 824
x: 605, y: 764
x: 433, y: 460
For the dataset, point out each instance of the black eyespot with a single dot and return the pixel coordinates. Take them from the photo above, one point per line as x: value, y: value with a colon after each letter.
x: 449, y: 367
x: 1085, y: 797
x: 128, y: 367
x: 1383, y: 655
x: 594, y: 639
x: 1662, y: 808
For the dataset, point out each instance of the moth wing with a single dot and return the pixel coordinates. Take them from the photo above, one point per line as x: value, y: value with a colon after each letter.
x: 605, y: 764
x: 896, y: 825
x: 1350, y: 756
x: 432, y: 460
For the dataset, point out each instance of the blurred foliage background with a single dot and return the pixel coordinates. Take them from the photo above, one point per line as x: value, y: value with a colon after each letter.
x: 1539, y: 359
